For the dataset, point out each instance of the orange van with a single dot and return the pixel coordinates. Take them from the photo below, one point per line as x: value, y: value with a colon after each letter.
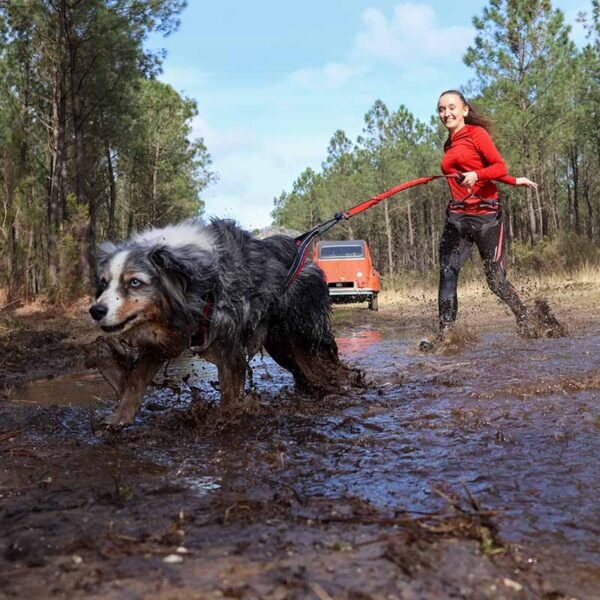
x: 349, y: 271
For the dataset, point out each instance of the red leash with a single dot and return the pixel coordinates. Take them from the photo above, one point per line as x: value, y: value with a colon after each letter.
x: 399, y: 188
x: 303, y: 241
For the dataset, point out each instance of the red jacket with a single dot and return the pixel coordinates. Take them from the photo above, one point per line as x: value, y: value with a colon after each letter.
x: 472, y: 149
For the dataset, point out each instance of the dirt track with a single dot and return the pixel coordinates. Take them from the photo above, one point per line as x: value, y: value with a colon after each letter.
x: 468, y: 473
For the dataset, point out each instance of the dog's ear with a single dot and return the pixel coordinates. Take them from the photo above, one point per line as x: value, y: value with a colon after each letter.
x: 175, y: 268
x: 104, y: 251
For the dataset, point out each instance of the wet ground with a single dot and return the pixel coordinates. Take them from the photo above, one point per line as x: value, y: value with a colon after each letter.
x: 471, y: 472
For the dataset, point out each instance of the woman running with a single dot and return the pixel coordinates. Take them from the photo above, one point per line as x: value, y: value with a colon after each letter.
x: 474, y: 213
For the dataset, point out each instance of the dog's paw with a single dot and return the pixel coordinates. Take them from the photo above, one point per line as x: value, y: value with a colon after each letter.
x: 116, y: 422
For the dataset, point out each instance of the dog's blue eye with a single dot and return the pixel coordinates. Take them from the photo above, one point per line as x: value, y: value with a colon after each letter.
x: 135, y: 283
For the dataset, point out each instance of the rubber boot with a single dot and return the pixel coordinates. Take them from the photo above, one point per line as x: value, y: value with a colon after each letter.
x: 426, y: 345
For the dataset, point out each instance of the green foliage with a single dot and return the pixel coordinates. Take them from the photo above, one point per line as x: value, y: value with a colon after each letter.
x: 91, y: 146
x: 164, y: 171
x: 565, y: 253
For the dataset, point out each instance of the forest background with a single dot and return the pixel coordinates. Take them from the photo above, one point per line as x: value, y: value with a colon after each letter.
x: 94, y: 147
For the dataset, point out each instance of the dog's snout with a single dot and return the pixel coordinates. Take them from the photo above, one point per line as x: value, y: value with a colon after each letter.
x: 98, y: 311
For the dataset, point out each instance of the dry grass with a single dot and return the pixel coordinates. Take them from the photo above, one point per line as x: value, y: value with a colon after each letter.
x: 582, y: 285
x: 42, y: 314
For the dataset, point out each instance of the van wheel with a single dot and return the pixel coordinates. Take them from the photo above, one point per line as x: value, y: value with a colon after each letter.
x: 374, y: 302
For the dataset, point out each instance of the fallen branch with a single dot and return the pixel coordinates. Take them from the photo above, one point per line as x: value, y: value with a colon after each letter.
x: 10, y: 304
x: 11, y: 434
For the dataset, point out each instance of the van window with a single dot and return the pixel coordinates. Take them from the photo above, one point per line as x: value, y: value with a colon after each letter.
x: 345, y: 251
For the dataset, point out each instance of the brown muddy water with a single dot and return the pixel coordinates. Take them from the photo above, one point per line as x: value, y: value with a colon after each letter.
x: 515, y: 422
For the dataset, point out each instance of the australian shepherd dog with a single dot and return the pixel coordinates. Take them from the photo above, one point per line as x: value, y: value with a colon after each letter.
x: 217, y: 290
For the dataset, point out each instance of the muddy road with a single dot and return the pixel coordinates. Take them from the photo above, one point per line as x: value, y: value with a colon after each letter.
x: 472, y: 472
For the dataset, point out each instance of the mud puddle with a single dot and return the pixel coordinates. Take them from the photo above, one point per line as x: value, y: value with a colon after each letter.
x: 514, y: 423
x: 73, y: 389
x: 517, y: 421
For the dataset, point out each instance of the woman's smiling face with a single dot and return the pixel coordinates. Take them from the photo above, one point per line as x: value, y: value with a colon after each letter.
x: 452, y: 112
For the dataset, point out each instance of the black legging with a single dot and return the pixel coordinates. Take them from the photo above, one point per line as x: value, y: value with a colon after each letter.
x: 488, y: 233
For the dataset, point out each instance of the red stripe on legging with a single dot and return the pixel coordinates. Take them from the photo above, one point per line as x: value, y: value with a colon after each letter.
x: 499, y: 246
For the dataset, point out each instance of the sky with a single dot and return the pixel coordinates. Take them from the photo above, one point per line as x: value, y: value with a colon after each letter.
x: 274, y: 80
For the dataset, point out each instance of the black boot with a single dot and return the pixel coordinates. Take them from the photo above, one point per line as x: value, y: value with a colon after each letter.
x: 426, y: 345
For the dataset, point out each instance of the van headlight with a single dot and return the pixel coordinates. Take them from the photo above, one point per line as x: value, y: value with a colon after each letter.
x: 359, y: 274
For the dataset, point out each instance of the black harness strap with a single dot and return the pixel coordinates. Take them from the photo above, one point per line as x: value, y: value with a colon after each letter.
x: 303, y: 242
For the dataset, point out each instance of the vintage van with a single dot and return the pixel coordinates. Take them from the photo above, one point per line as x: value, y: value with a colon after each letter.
x: 349, y: 271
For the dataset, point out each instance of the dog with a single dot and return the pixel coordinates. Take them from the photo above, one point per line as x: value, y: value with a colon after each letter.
x: 220, y: 291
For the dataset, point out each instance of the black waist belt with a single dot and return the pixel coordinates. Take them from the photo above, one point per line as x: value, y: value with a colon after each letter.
x: 482, y: 203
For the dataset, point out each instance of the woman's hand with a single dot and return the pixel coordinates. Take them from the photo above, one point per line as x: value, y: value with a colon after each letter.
x: 524, y: 181
x: 469, y: 179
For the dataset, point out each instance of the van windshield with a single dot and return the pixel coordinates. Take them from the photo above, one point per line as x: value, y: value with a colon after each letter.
x: 345, y: 251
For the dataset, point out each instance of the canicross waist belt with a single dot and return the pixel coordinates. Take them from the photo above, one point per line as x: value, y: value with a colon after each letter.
x: 481, y: 202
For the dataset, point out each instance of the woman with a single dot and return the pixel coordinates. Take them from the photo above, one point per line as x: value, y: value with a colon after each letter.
x: 474, y: 214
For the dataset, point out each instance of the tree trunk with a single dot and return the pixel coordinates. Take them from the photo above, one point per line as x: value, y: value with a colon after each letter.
x: 574, y: 160
x: 155, y: 188
x: 59, y: 115
x: 8, y: 230
x: 432, y: 233
x: 86, y: 234
x: 411, y: 233
x: 589, y: 225
x: 113, y: 194
x: 540, y: 212
x: 531, y: 215
x: 554, y: 201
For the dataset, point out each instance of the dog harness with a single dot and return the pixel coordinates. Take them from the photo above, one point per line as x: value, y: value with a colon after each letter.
x: 200, y: 337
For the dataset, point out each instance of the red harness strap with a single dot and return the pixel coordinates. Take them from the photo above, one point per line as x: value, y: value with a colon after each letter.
x: 199, y: 338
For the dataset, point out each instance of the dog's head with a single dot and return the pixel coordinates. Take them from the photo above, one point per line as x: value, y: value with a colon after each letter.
x: 141, y: 284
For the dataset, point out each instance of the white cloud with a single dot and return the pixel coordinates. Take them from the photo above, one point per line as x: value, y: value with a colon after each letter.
x: 330, y: 77
x: 255, y: 170
x: 223, y: 142
x: 411, y: 37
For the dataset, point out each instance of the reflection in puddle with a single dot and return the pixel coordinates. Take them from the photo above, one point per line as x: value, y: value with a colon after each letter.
x: 355, y: 343
x: 75, y: 389
x: 518, y: 421
x: 89, y: 388
x: 201, y: 486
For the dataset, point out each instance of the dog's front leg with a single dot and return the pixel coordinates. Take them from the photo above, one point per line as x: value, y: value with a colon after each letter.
x: 114, y: 361
x: 232, y: 375
x: 134, y: 387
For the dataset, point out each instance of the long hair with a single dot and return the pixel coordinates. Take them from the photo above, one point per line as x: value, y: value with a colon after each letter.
x: 473, y: 118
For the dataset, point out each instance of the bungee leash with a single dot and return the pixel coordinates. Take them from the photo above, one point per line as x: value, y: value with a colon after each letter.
x: 303, y: 241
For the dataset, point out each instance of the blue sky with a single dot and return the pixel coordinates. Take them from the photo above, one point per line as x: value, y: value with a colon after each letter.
x: 274, y: 80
